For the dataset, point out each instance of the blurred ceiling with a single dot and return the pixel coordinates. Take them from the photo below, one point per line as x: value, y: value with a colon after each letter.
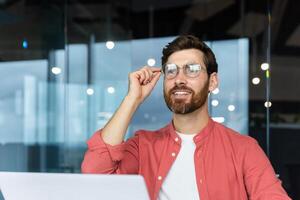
x: 49, y: 24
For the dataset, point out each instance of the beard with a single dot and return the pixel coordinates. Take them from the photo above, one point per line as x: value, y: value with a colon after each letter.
x: 180, y: 106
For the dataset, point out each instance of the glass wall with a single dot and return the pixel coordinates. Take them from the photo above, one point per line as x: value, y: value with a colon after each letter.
x: 54, y: 120
x: 64, y: 68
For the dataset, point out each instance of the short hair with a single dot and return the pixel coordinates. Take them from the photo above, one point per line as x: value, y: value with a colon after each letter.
x: 190, y: 42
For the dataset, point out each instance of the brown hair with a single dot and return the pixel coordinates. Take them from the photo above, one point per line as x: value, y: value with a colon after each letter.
x: 191, y: 42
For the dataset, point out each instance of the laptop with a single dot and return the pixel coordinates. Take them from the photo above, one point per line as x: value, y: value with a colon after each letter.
x: 55, y: 186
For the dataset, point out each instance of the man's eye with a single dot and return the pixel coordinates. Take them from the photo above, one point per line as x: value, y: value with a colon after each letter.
x: 171, y: 72
x: 193, y: 68
x: 170, y: 69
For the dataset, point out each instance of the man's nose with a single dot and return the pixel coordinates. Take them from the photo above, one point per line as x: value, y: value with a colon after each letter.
x: 180, y: 78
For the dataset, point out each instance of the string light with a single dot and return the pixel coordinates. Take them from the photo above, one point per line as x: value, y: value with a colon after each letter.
x: 111, y: 90
x: 56, y: 70
x: 256, y: 81
x: 231, y: 108
x: 90, y: 91
x: 110, y: 44
x: 214, y: 102
x: 151, y: 62
x: 25, y: 44
x: 265, y: 66
x: 268, y: 104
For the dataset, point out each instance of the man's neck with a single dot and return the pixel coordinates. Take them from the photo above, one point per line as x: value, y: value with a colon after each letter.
x: 191, y: 123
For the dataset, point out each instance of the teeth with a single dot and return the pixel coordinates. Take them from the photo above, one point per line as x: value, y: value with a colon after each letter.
x: 181, y: 93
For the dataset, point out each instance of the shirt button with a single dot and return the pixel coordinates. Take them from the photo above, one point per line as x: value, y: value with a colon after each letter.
x: 176, y: 139
x: 159, y: 177
x: 173, y: 154
x: 201, y: 181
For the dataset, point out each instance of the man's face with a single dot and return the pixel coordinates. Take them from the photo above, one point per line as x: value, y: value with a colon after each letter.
x: 184, y: 94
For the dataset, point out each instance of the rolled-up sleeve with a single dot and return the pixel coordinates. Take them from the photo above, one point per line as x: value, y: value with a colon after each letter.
x: 102, y: 158
x: 260, y: 178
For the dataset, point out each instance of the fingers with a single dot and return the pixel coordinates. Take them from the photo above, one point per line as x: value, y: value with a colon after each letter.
x: 140, y: 76
x: 155, y: 78
x: 154, y: 69
x: 146, y: 74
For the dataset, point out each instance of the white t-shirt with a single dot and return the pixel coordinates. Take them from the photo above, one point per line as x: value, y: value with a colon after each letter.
x: 180, y: 182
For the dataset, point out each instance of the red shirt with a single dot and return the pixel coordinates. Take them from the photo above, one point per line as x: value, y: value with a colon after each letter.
x: 229, y: 166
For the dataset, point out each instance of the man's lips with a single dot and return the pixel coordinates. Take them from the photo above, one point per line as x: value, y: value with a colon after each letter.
x: 181, y: 92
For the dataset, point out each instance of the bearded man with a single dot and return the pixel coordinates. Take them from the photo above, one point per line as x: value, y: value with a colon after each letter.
x: 192, y: 157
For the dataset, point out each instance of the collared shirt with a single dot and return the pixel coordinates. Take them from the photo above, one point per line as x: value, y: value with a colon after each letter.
x: 229, y: 166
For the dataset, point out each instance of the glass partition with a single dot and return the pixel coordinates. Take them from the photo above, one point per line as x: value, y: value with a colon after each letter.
x: 64, y: 68
x: 54, y: 120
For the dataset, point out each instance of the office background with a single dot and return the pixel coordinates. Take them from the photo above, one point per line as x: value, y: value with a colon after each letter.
x: 64, y: 68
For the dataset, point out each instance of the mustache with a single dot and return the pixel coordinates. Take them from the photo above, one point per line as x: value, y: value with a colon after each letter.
x: 181, y: 88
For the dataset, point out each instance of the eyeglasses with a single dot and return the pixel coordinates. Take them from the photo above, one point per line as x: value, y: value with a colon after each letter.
x: 190, y: 70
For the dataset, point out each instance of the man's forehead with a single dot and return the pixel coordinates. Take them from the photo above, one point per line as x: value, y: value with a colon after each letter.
x: 186, y: 55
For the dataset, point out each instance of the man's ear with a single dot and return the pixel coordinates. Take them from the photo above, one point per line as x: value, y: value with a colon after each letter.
x: 213, y: 81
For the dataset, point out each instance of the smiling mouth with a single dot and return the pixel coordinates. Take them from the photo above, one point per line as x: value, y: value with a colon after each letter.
x: 179, y: 93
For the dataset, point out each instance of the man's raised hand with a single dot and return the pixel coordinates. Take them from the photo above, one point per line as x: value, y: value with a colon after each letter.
x: 142, y: 82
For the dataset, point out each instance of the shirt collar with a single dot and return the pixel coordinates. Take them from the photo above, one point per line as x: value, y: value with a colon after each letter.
x: 199, y: 137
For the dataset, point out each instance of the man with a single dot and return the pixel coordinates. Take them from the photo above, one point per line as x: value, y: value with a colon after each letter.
x: 193, y: 157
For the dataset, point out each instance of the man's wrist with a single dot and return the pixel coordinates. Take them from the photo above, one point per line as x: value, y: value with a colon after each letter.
x: 132, y: 101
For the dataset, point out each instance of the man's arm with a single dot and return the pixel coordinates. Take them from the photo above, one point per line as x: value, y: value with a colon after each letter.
x: 102, y: 158
x: 106, y: 148
x: 141, y: 83
x: 259, y: 176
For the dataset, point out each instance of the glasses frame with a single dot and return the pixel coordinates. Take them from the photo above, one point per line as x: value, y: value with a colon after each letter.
x: 201, y: 68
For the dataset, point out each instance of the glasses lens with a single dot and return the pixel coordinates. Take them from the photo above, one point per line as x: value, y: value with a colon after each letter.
x: 192, y: 70
x: 170, y: 70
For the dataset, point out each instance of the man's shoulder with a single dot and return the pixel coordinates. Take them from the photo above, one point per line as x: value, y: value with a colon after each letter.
x: 234, y: 141
x: 233, y: 136
x: 153, y: 134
